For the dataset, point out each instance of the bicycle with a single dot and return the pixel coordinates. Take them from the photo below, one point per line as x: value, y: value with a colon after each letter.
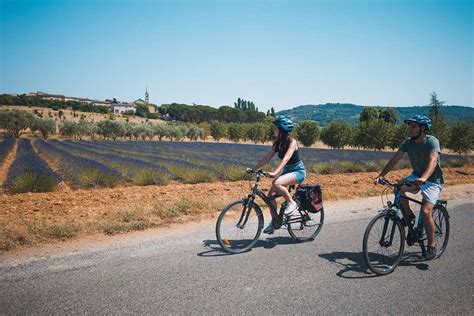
x: 240, y: 223
x: 384, y: 238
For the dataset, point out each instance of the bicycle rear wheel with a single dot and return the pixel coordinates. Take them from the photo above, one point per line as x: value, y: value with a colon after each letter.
x: 384, y: 242
x: 305, y: 226
x: 239, y: 226
x: 441, y: 220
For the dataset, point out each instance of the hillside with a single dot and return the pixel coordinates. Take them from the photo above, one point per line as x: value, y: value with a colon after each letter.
x: 349, y: 113
x: 89, y: 116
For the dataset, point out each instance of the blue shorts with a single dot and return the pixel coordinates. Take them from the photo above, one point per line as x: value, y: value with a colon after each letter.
x: 297, y: 170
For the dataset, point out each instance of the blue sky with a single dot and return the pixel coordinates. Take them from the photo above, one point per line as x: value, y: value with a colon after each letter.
x: 276, y: 53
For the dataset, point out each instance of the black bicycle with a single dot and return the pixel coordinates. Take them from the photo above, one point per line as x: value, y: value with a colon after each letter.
x: 384, y: 238
x: 240, y: 224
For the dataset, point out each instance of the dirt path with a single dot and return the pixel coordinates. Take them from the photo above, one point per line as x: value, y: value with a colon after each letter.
x: 6, y: 164
x: 63, y: 187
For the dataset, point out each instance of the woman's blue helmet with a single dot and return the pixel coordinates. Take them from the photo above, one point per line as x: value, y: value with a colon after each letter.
x: 284, y: 124
x: 420, y: 119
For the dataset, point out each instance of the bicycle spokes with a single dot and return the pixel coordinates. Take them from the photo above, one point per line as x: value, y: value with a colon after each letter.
x: 238, y: 226
x: 383, y: 243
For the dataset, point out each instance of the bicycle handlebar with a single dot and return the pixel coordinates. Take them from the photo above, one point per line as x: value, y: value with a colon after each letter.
x: 384, y: 181
x: 259, y: 172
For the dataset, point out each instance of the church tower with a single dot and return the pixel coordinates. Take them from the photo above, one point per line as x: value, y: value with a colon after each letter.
x: 147, y: 97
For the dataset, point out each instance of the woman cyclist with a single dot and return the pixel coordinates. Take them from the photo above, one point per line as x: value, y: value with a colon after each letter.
x: 289, y: 171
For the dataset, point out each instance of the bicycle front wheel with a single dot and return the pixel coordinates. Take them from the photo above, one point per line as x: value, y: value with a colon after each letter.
x: 384, y: 242
x: 239, y: 226
x: 305, y: 226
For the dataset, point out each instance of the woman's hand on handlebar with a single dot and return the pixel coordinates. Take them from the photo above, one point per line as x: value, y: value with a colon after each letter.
x: 272, y: 174
x: 259, y: 171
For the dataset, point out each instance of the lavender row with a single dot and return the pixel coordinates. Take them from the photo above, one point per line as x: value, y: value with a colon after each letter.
x: 79, y: 171
x: 29, y: 172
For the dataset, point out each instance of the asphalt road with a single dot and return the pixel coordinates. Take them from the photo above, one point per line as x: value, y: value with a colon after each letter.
x: 186, y: 273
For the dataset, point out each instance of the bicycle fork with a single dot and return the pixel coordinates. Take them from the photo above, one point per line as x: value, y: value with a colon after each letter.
x: 383, y: 242
x: 244, y: 216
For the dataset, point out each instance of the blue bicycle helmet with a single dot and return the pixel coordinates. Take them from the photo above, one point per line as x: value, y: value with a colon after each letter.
x: 284, y: 124
x: 420, y: 119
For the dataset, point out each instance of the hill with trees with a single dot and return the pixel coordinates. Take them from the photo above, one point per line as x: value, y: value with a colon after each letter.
x: 349, y: 113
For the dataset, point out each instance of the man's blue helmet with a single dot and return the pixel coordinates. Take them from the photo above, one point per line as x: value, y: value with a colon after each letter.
x: 420, y: 119
x: 284, y: 124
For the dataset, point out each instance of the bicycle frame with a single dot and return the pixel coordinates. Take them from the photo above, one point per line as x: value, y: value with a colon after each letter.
x: 389, y: 220
x: 250, y: 200
x: 397, y: 202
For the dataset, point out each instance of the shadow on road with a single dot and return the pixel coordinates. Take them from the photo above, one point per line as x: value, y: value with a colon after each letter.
x: 213, y: 249
x: 353, y: 265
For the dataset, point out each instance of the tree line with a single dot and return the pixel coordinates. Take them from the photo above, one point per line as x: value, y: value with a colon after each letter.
x: 204, y: 113
x: 377, y: 129
x: 16, y: 122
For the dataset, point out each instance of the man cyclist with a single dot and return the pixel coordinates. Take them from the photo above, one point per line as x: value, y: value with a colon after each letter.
x: 424, y: 153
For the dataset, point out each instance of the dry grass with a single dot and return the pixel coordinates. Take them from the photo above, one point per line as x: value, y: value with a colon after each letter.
x: 30, y: 219
x: 69, y: 115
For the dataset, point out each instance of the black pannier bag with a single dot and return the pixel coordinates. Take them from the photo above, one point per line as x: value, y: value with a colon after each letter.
x: 310, y: 197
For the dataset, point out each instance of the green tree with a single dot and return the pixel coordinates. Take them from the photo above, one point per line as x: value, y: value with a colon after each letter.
x: 236, y: 132
x: 92, y: 129
x: 400, y: 133
x: 176, y: 133
x: 128, y: 126
x: 368, y: 114
x: 193, y: 132
x: 142, y: 110
x: 388, y: 115
x: 218, y: 130
x: 336, y: 134
x: 46, y: 126
x: 16, y: 122
x: 307, y: 132
x: 158, y: 130
x: 111, y: 129
x: 257, y: 132
x: 375, y: 134
x: 440, y: 127
x: 68, y: 129
x: 462, y: 137
x: 83, y: 128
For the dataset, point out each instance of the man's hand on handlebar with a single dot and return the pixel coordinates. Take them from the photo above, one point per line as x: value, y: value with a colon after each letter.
x: 378, y: 180
x: 420, y: 181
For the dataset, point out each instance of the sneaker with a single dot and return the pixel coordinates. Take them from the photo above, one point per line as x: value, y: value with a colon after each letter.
x: 291, y: 208
x: 431, y: 253
x: 269, y: 229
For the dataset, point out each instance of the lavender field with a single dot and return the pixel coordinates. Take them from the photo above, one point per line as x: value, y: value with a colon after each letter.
x: 83, y: 164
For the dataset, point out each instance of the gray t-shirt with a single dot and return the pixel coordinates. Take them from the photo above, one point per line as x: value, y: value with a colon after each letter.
x: 419, y: 156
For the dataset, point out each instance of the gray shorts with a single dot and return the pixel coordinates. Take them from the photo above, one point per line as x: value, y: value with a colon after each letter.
x: 430, y: 191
